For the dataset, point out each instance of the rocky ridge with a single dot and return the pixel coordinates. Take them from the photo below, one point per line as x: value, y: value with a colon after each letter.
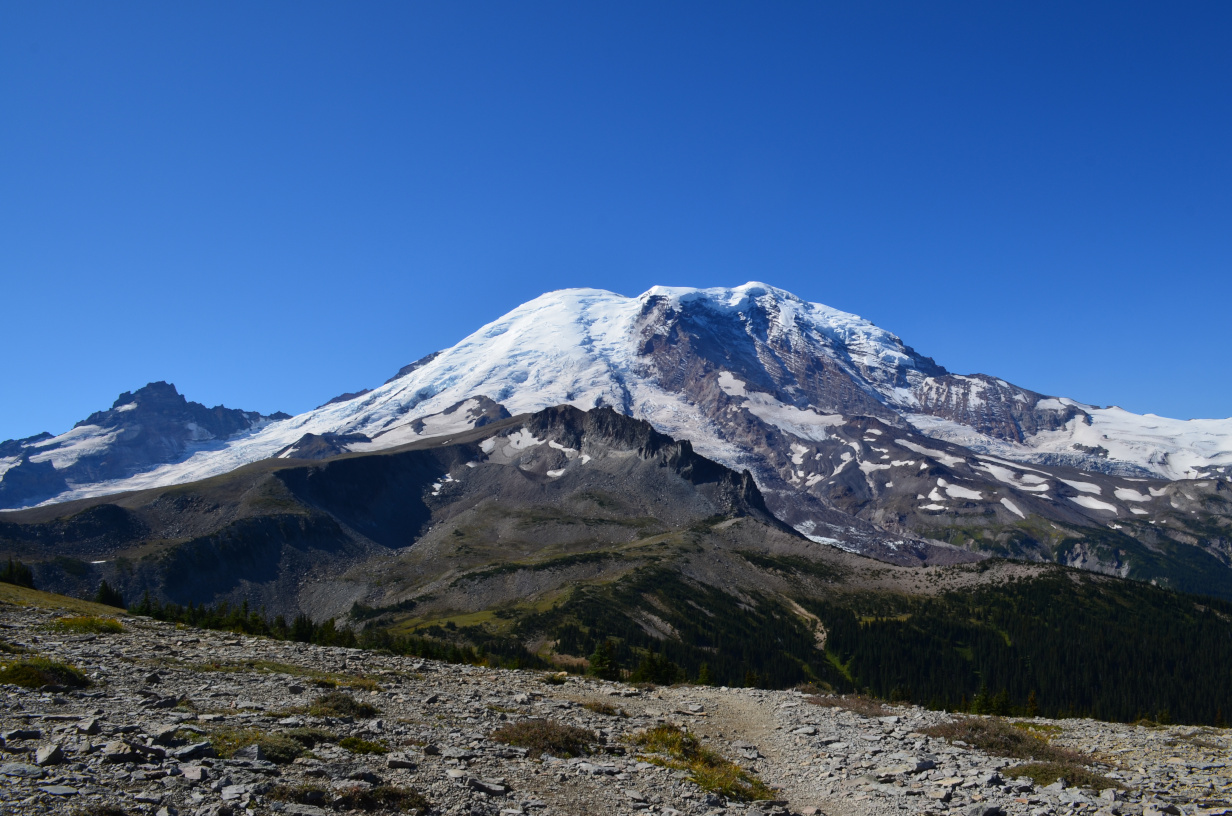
x: 142, y: 739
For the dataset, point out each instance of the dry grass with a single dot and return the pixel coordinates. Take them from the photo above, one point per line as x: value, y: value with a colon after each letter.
x: 86, y: 625
x: 23, y: 596
x: 341, y: 704
x: 36, y: 672
x: 606, y: 709
x: 995, y: 736
x: 546, y: 737
x: 864, y: 706
x: 309, y: 737
x: 12, y: 648
x: 381, y: 799
x: 1045, y: 773
x: 278, y: 748
x: 672, y: 747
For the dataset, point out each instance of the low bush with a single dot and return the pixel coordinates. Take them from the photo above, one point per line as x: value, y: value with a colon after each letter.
x: 995, y: 736
x: 606, y: 709
x: 1076, y: 776
x: 546, y: 737
x: 87, y: 625
x: 11, y: 648
x: 673, y: 747
x: 385, y: 798
x: 556, y: 678
x: 864, y: 706
x: 310, y: 737
x: 277, y: 748
x: 36, y: 672
x: 341, y: 704
x: 362, y: 746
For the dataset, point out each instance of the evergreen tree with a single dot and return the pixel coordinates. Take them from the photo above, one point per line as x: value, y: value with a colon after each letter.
x: 703, y: 675
x: 108, y: 596
x: 657, y: 669
x: 17, y: 573
x: 603, y: 662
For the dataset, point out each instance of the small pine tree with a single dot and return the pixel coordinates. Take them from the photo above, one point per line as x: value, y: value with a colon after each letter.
x: 751, y: 679
x: 603, y: 662
x: 302, y: 628
x: 1032, y: 705
x: 656, y: 669
x: 703, y: 675
x: 108, y: 596
x: 17, y: 573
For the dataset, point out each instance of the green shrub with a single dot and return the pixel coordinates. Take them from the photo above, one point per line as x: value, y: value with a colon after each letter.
x: 1045, y: 773
x: 999, y: 738
x: 341, y: 704
x: 310, y: 737
x: 606, y: 709
x: 858, y: 703
x: 556, y: 678
x: 11, y: 648
x: 87, y: 625
x: 384, y: 798
x: 546, y: 737
x: 36, y: 672
x: 362, y: 746
x: 278, y: 748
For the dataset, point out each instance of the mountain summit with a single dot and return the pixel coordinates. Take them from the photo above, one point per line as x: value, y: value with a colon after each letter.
x: 853, y: 437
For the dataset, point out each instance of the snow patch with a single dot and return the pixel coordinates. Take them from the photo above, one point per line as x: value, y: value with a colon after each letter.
x: 1013, y: 508
x: 1092, y: 503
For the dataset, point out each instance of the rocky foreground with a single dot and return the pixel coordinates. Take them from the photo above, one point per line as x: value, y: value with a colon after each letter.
x: 167, y: 703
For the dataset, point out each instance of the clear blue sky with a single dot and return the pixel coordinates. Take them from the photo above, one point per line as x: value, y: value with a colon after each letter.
x: 270, y: 203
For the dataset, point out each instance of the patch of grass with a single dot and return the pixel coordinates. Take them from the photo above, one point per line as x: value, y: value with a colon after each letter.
x: 362, y: 683
x: 673, y: 747
x: 546, y: 737
x: 864, y: 706
x: 36, y: 672
x: 1045, y: 773
x: 362, y: 746
x: 606, y: 709
x: 278, y: 748
x: 310, y: 737
x: 1042, y: 728
x: 999, y: 738
x: 556, y: 678
x: 26, y: 597
x: 341, y: 704
x: 384, y: 798
x: 86, y: 625
x: 299, y: 794
x: 100, y: 810
x: 11, y: 648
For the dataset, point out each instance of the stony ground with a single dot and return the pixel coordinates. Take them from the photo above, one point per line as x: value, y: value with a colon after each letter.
x: 142, y: 739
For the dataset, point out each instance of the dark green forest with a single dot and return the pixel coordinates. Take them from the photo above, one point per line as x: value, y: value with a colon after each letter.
x: 1067, y: 643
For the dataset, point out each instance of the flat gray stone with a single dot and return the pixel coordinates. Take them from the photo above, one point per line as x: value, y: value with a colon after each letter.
x: 20, y: 769
x: 59, y: 790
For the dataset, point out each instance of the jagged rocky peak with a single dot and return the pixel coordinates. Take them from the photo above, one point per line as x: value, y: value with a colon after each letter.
x: 154, y: 425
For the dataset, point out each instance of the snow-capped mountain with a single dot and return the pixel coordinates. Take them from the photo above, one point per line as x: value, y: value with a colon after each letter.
x: 141, y: 430
x: 840, y: 422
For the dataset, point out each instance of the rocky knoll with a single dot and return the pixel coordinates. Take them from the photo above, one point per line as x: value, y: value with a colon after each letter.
x: 176, y: 721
